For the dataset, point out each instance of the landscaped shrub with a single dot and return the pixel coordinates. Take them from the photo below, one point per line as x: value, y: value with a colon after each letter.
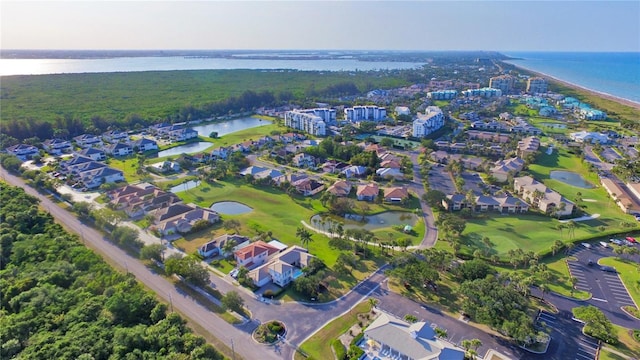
x: 357, y: 339
x: 339, y: 349
x: 268, y: 293
x: 354, y: 353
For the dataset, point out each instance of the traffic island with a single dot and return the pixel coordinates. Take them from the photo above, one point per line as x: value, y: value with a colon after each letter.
x: 269, y: 332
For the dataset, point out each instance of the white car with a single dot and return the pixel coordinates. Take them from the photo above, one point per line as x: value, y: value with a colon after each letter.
x: 234, y: 273
x: 587, y: 245
x: 616, y: 241
x: 604, y: 244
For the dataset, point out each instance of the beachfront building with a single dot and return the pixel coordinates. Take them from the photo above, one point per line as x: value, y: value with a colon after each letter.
x: 586, y: 113
x: 365, y: 113
x: 486, y: 92
x: 536, y: 85
x: 307, y: 122
x: 442, y: 95
x: 502, y: 82
x: 427, y: 123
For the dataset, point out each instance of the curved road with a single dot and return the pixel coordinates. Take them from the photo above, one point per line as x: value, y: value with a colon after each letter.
x: 302, y: 320
x: 431, y: 232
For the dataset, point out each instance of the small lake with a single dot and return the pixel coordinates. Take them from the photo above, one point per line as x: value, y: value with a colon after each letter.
x: 231, y: 208
x: 190, y: 148
x: 191, y: 184
x: 570, y: 178
x: 372, y: 222
x: 230, y: 126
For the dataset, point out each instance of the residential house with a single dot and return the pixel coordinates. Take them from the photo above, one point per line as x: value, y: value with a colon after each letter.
x: 141, y: 199
x: 541, y: 197
x: 23, y: 151
x: 303, y: 160
x: 254, y: 255
x: 93, y: 153
x: 88, y: 140
x: 119, y: 149
x: 391, y: 164
x: 589, y: 137
x: 395, y: 194
x: 367, y: 192
x: 503, y: 168
x: 114, y: 136
x: 183, y: 134
x: 145, y: 144
x: 401, y: 340
x: 220, y: 153
x: 57, y: 146
x: 216, y: 246
x: 340, y: 188
x: 354, y: 171
x: 166, y: 166
x: 390, y: 173
x: 283, y: 268
x: 619, y: 196
x: 334, y: 167
x: 528, y: 145
x: 184, y: 222
x: 103, y: 175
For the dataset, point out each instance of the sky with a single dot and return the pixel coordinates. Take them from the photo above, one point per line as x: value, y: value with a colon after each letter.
x: 341, y: 25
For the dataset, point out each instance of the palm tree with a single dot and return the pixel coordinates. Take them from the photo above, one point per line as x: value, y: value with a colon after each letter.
x: 543, y: 288
x: 476, y: 343
x: 304, y: 235
x: 373, y: 302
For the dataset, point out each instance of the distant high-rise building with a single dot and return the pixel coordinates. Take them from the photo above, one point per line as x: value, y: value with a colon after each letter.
x: 536, y: 85
x: 307, y: 122
x: 430, y: 121
x: 502, y: 82
x: 364, y: 113
x: 442, y: 95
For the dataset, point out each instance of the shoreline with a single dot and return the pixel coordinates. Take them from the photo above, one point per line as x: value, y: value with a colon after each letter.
x: 618, y: 99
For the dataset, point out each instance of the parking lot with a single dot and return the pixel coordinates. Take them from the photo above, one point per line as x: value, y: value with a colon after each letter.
x: 605, y: 287
x: 567, y: 342
x: 439, y: 179
x: 473, y: 181
x: 610, y: 155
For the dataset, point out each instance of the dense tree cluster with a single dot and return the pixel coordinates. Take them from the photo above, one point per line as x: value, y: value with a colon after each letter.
x: 498, y: 303
x: 61, y: 301
x: 596, y: 323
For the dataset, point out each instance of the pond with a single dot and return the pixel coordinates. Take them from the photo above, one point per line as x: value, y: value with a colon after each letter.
x: 570, y: 178
x: 230, y: 208
x: 191, y: 184
x: 230, y: 126
x: 189, y: 148
x: 372, y: 222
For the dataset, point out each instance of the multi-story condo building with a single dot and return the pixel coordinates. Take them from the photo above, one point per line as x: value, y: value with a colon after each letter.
x: 327, y: 115
x: 363, y: 113
x: 536, y: 85
x: 442, y: 94
x: 483, y: 92
x: 432, y: 120
x: 307, y: 122
x: 502, y: 82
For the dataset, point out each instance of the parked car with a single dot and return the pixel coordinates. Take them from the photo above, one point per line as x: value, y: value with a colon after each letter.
x: 590, y: 262
x: 604, y: 244
x: 630, y: 239
x: 616, y: 241
x: 234, y: 273
x: 587, y: 245
x: 608, y: 269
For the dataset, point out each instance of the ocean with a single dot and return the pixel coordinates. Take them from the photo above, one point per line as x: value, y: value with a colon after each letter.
x: 616, y: 74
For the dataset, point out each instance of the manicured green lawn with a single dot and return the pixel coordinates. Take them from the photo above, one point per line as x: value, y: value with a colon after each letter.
x: 629, y: 273
x: 628, y: 345
x: 128, y: 166
x: 319, y: 345
x: 560, y: 278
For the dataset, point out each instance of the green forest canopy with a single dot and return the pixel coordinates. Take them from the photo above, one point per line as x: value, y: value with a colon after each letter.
x: 61, y: 301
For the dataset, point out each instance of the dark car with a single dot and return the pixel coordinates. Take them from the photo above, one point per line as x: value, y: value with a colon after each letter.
x: 608, y: 269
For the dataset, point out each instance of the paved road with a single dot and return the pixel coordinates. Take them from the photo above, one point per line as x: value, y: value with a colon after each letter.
x: 431, y: 232
x: 162, y: 287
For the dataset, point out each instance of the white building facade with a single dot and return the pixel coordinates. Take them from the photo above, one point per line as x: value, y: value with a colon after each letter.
x: 432, y: 120
x: 307, y: 122
x: 365, y: 113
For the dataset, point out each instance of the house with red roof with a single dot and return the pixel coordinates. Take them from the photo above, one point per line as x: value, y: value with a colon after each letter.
x: 254, y: 254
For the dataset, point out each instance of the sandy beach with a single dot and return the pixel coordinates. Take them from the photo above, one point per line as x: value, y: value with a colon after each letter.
x: 619, y: 100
